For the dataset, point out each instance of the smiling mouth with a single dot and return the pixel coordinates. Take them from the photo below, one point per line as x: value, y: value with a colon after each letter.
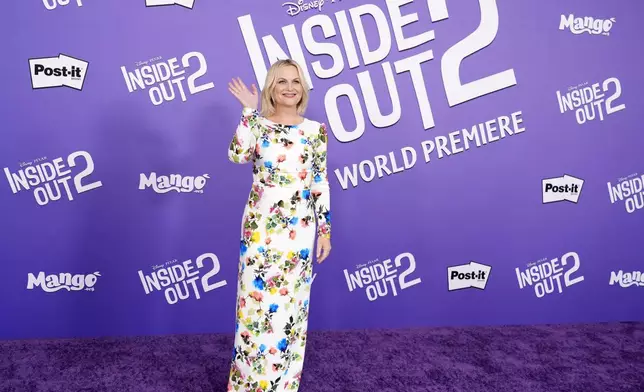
x: 289, y: 95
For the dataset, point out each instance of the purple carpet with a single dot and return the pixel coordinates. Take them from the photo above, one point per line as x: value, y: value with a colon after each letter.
x: 596, y: 357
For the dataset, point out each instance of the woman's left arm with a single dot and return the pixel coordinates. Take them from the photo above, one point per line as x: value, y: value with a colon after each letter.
x: 320, y: 187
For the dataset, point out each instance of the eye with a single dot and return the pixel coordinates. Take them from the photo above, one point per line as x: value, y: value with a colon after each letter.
x: 282, y: 81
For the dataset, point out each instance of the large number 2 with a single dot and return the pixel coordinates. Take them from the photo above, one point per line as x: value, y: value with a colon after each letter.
x: 203, y: 67
x: 564, y: 261
x: 71, y: 161
x: 618, y: 92
x: 483, y: 36
x: 412, y: 267
x: 214, y: 271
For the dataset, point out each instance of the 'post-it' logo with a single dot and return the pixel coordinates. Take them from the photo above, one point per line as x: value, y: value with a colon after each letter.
x: 61, y: 71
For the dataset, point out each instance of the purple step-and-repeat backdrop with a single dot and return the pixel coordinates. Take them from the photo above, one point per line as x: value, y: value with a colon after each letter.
x: 484, y: 157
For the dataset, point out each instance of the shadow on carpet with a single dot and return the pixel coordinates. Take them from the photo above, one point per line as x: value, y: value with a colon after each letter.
x: 547, y: 358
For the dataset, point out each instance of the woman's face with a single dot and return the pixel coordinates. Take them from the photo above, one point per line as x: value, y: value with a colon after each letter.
x: 288, y: 88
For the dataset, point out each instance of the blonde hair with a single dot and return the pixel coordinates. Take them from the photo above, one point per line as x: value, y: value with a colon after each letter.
x: 268, y: 105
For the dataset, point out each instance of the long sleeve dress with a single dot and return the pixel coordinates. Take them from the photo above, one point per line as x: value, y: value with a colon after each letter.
x: 288, y: 196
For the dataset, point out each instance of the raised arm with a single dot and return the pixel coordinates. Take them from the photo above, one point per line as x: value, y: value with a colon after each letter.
x: 242, y: 147
x: 320, y: 185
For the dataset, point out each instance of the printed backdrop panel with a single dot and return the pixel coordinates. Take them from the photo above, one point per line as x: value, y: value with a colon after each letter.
x: 484, y: 161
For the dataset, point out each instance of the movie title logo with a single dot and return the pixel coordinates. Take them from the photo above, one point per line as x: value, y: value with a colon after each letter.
x: 564, y: 188
x: 586, y: 24
x: 183, y: 3
x: 550, y: 276
x: 167, y: 80
x: 52, y: 181
x: 591, y: 102
x: 465, y: 276
x: 629, y: 190
x: 52, y: 4
x: 373, y: 48
x: 382, y: 278
x: 182, y: 280
x: 627, y: 279
x: 61, y: 71
x: 63, y: 281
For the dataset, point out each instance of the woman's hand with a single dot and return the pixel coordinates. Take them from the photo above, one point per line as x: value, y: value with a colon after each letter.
x: 244, y: 96
x: 324, y: 248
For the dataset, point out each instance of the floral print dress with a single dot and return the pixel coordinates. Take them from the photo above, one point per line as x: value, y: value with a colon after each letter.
x: 288, y: 196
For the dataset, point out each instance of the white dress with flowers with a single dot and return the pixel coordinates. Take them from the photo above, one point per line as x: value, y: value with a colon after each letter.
x: 288, y: 205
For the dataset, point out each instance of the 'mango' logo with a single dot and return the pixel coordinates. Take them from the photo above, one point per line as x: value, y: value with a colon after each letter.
x: 63, y: 281
x: 173, y: 182
x: 586, y: 25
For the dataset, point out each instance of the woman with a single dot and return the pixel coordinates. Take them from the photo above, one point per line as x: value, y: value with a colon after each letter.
x: 289, y: 193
